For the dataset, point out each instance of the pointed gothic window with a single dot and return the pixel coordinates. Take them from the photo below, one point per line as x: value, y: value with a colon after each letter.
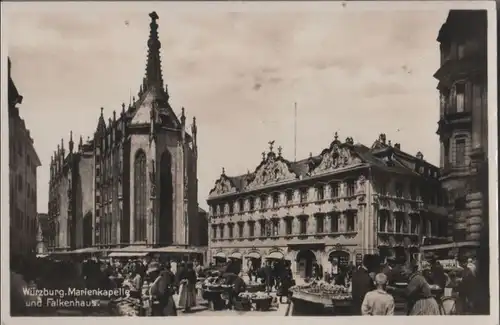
x: 140, y: 200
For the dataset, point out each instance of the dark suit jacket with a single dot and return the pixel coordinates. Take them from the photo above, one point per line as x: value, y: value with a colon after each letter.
x: 361, y: 284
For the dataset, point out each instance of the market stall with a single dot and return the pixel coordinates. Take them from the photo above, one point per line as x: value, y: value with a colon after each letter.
x: 219, y: 258
x: 319, y: 299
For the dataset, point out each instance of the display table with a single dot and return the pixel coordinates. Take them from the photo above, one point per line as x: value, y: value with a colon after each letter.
x: 307, y: 304
x: 214, y: 298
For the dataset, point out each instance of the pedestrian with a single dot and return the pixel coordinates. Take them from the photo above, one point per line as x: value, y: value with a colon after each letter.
x: 361, y: 284
x: 420, y: 299
x: 187, y: 298
x: 378, y: 302
x: 268, y: 276
x: 162, y: 289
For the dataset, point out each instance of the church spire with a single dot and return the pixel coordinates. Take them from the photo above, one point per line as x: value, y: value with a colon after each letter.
x: 153, y: 66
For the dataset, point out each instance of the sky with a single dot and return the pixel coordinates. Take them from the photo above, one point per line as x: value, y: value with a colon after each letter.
x: 356, y: 72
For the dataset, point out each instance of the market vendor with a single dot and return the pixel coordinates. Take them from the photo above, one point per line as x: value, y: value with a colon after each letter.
x: 239, y: 286
x: 419, y: 295
x: 162, y: 290
x: 286, y: 282
x: 361, y: 284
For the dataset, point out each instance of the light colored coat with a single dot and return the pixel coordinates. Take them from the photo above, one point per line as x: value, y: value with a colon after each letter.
x: 377, y: 303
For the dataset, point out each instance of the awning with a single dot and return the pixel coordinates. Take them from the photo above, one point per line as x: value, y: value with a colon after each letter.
x: 86, y: 250
x: 220, y: 255
x: 275, y: 255
x: 174, y: 249
x: 127, y: 254
x: 253, y: 255
x: 236, y: 255
x: 449, y: 246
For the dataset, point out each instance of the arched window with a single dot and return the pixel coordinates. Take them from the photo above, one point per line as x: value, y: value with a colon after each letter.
x: 140, y: 200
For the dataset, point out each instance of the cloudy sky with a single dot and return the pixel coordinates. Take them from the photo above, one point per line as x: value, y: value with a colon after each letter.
x: 239, y: 71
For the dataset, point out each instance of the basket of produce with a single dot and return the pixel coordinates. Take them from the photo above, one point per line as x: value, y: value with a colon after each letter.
x: 262, y: 301
x: 255, y: 287
x: 243, y: 302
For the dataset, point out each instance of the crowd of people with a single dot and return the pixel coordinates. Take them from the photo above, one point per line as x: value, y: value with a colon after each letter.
x: 373, y: 292
x: 373, y: 289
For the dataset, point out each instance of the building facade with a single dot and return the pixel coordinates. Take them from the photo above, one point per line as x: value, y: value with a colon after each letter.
x: 348, y: 201
x: 463, y: 124
x: 135, y: 182
x: 23, y: 164
x: 44, y: 236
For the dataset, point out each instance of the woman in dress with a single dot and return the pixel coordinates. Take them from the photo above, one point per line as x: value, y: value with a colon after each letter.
x: 187, y: 298
x: 162, y: 290
x: 420, y: 299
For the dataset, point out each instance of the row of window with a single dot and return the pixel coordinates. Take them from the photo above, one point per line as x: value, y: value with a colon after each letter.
x: 275, y: 200
x: 25, y: 223
x: 30, y: 164
x: 271, y: 227
x: 24, y: 186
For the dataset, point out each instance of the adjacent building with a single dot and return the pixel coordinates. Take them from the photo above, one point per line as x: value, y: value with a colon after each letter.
x: 347, y: 201
x: 45, y: 234
x: 135, y: 181
x: 23, y: 164
x: 463, y: 124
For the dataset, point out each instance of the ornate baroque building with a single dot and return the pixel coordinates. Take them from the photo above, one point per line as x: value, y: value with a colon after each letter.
x: 463, y: 124
x: 348, y: 201
x: 23, y: 164
x: 135, y: 182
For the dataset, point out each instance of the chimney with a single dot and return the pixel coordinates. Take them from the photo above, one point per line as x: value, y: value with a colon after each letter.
x: 397, y: 146
x: 382, y: 138
x: 420, y: 155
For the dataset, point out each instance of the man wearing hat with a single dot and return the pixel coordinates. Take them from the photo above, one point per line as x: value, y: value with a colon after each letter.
x: 361, y: 284
x: 162, y: 290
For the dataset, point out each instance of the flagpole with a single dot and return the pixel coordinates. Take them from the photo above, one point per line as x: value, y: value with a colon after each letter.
x: 295, y: 133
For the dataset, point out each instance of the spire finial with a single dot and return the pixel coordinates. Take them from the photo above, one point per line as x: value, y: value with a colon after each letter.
x: 102, y: 111
x: 271, y: 144
x: 279, y: 150
x: 153, y: 66
x: 71, y: 144
x: 263, y: 155
x: 80, y: 144
x: 336, y: 136
x: 114, y: 114
x: 223, y: 171
x: 62, y: 144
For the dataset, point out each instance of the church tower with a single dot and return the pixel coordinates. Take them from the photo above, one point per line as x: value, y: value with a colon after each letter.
x: 162, y: 154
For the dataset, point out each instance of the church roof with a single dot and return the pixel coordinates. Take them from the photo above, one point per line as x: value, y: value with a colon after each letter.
x: 274, y: 169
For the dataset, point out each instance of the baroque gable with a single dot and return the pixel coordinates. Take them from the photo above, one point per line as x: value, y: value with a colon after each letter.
x: 223, y: 186
x: 273, y: 169
x: 336, y: 157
